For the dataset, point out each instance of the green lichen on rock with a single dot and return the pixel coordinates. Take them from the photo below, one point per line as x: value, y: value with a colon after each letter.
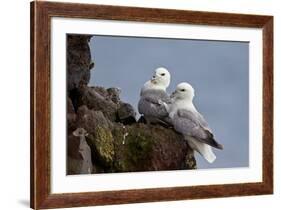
x: 104, y: 144
x: 135, y: 148
x: 139, y: 146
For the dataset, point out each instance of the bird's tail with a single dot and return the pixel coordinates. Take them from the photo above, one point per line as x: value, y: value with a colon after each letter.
x: 204, y: 149
x: 208, y: 154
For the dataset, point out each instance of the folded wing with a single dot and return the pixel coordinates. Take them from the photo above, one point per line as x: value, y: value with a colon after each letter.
x: 149, y: 103
x: 194, y: 125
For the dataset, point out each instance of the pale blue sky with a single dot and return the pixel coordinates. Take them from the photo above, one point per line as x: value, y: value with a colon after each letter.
x: 217, y: 70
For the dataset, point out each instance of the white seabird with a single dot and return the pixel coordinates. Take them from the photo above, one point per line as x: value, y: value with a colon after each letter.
x: 152, y: 92
x: 189, y: 122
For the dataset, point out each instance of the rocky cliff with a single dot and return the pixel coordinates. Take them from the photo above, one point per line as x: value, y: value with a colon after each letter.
x: 113, y: 141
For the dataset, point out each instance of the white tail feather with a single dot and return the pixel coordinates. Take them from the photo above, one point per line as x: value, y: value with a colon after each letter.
x: 204, y: 149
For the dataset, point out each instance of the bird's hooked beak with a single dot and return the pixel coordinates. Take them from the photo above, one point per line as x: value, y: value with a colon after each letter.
x: 173, y: 94
x: 153, y: 79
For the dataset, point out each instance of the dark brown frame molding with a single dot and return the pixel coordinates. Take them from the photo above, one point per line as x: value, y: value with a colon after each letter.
x: 41, y: 14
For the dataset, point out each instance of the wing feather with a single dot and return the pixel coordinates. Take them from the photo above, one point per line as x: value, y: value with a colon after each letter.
x: 149, y: 103
x: 194, y: 125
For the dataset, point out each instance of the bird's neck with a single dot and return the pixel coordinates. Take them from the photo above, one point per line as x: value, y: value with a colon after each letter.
x: 180, y: 104
x: 155, y: 86
x: 159, y: 87
x: 185, y: 104
x: 149, y: 86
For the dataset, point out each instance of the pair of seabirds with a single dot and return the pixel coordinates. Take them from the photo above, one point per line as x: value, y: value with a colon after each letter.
x: 178, y: 110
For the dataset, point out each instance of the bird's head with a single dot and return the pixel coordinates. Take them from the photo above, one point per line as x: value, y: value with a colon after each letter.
x: 184, y: 91
x: 161, y: 77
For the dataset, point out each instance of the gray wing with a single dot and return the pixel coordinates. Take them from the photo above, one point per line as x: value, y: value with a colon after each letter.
x: 149, y: 103
x: 194, y: 125
x: 155, y: 95
x: 195, y: 117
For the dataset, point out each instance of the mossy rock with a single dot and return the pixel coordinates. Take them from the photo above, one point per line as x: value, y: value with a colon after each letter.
x: 104, y: 144
x: 120, y: 147
x: 102, y: 156
x: 133, y: 147
x: 138, y: 147
x: 141, y: 147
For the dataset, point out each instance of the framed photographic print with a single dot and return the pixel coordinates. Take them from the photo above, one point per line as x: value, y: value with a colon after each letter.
x: 140, y: 105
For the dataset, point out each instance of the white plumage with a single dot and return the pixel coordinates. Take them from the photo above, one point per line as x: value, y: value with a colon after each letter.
x: 152, y: 92
x: 189, y: 122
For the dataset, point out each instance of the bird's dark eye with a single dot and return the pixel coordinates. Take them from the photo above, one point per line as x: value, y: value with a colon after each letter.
x: 182, y: 89
x: 163, y: 74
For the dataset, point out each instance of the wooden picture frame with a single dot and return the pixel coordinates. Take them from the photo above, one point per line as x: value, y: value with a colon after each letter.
x: 41, y: 14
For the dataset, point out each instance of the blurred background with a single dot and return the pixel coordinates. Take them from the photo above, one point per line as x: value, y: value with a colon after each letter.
x: 218, y: 71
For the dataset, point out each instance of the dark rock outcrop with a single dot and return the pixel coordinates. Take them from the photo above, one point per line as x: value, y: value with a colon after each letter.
x: 126, y: 114
x: 96, y: 98
x: 141, y: 147
x: 117, y: 141
x: 71, y: 116
x: 79, y: 61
